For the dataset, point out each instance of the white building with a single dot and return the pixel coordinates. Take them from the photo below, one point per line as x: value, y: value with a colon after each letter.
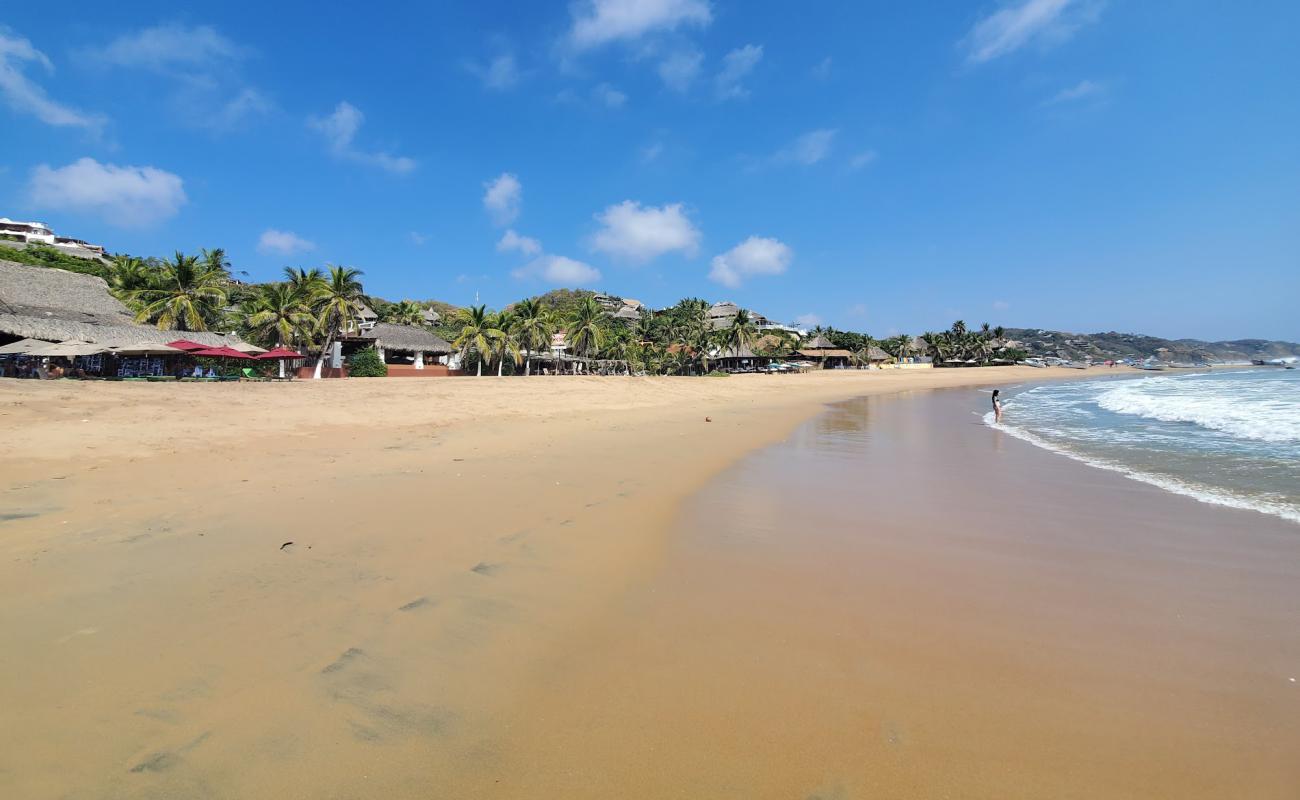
x: 40, y: 233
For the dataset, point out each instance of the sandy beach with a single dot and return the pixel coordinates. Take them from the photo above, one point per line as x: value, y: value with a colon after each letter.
x: 491, y: 588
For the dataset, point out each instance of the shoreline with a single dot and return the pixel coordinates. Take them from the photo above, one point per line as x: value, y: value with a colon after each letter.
x: 440, y: 547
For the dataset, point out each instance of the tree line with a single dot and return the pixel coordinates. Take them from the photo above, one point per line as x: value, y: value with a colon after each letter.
x: 312, y: 308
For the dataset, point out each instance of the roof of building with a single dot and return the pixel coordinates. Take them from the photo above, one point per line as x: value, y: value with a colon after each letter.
x: 824, y: 353
x: 876, y: 354
x: 737, y: 352
x: 430, y: 316
x: 364, y: 311
x: 818, y: 342
x: 627, y: 312
x: 60, y: 306
x: 406, y: 337
x: 724, y: 309
x: 637, y: 304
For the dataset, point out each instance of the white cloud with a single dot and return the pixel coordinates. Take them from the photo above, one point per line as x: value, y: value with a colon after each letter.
x: 863, y: 159
x: 652, y: 151
x: 500, y: 73
x: 285, y: 243
x: 204, y: 65
x: 756, y: 255
x: 1001, y: 305
x: 608, y: 96
x: 680, y: 69
x: 559, y: 270
x: 822, y: 70
x: 26, y: 97
x: 808, y: 149
x: 1083, y: 90
x: 125, y: 196
x: 339, y: 130
x: 858, y: 310
x: 599, y: 22
x: 502, y: 198
x: 736, y: 66
x: 512, y: 241
x: 639, y: 234
x: 417, y: 238
x: 167, y: 47
x: 808, y: 320
x: 1016, y: 24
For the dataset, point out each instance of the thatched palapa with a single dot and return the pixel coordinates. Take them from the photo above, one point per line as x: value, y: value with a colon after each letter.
x: 407, y: 338
x: 59, y: 306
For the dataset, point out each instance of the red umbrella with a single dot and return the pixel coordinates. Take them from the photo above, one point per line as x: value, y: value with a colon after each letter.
x: 186, y: 344
x: 220, y: 352
x: 281, y: 352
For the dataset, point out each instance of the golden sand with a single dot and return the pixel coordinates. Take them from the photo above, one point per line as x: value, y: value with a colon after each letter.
x: 456, y: 544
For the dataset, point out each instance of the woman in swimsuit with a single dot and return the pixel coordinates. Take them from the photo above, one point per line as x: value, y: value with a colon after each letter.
x: 997, y: 407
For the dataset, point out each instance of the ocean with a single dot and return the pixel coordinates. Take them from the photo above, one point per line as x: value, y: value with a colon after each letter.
x: 1231, y: 438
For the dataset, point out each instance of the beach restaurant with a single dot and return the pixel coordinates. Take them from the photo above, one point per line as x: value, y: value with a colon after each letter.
x: 56, y: 323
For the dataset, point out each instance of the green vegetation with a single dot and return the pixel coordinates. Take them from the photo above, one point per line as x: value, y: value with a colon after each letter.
x: 366, y: 363
x: 38, y: 255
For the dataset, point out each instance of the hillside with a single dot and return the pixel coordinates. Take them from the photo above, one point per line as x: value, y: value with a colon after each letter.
x: 1112, y: 345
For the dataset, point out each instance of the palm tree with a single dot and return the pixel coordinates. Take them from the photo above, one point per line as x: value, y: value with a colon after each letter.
x: 185, y: 295
x: 534, y: 327
x: 278, y: 314
x: 336, y: 308
x: 506, y: 342
x: 128, y: 274
x: 585, y: 334
x: 476, y: 334
x: 215, y: 259
x: 407, y: 312
x: 307, y: 283
x: 742, y: 333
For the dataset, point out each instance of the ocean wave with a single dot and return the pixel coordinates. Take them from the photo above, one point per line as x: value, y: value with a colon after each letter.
x: 1204, y: 494
x: 1265, y: 413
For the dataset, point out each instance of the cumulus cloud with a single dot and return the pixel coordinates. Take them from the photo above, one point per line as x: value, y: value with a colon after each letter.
x: 808, y: 320
x: 559, y: 270
x: 756, y: 255
x: 27, y: 97
x: 736, y: 66
x: 638, y: 234
x: 608, y: 96
x: 500, y: 73
x: 865, y: 158
x: 1083, y: 90
x: 513, y: 242
x: 202, y: 63
x: 166, y: 47
x: 284, y: 243
x: 680, y: 69
x: 125, y: 196
x: 502, y: 198
x: 1017, y: 24
x: 339, y: 130
x: 808, y: 149
x: 599, y: 22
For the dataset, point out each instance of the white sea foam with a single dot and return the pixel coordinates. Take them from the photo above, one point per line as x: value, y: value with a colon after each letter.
x: 1267, y: 412
x: 1204, y: 494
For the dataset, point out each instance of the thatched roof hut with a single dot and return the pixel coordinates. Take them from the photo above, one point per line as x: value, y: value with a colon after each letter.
x: 877, y: 356
x: 407, y: 338
x: 59, y: 306
x: 818, y: 342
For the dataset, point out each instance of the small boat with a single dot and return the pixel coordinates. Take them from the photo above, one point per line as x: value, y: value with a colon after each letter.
x: 1150, y: 364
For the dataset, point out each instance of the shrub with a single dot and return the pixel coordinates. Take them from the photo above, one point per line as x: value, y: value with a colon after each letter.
x: 717, y: 373
x: 367, y: 364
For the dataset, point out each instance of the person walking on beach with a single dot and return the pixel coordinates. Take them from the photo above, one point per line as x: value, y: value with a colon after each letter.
x: 997, y: 406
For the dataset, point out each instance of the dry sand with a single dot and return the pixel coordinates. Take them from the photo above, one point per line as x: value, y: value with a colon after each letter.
x: 452, y: 541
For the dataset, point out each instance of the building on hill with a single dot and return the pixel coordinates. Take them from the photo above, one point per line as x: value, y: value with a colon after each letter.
x: 55, y: 305
x: 739, y: 359
x: 430, y: 316
x: 628, y: 315
x: 40, y: 233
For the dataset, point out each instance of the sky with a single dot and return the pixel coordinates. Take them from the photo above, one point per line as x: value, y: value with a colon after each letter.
x: 885, y: 167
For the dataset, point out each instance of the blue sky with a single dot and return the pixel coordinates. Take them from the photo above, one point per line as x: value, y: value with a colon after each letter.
x: 886, y: 167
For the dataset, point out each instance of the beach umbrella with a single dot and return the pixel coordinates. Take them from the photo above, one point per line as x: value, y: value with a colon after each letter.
x: 221, y: 352
x: 245, y: 347
x: 73, y: 349
x: 147, y: 349
x: 186, y: 344
x: 283, y: 354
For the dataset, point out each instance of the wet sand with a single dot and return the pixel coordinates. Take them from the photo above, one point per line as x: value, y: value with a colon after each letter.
x: 493, y: 590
